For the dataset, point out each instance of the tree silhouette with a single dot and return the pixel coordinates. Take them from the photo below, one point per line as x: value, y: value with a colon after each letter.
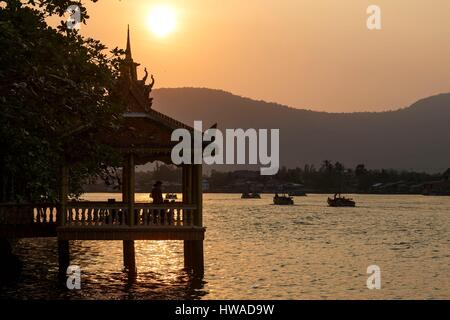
x: 56, y: 99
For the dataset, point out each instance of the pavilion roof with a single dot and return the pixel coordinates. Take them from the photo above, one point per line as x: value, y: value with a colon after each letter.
x: 142, y: 127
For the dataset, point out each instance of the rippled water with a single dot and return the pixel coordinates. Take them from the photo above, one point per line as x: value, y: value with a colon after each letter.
x: 255, y: 250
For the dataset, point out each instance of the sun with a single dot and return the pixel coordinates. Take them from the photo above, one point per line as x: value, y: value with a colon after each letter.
x: 162, y: 20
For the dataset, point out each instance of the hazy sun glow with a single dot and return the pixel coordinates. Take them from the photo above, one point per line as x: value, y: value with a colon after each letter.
x: 162, y: 20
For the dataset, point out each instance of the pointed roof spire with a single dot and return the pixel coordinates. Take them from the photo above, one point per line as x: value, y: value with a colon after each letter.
x: 128, y: 50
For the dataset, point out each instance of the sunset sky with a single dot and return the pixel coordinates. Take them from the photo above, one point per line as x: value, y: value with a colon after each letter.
x: 314, y: 54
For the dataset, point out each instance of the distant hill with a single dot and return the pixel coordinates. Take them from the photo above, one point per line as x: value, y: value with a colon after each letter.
x: 416, y: 137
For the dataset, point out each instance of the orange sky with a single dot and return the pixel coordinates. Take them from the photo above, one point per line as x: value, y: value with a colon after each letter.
x: 315, y: 54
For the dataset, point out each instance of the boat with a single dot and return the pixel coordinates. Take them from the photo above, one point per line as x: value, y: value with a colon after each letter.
x: 253, y: 195
x: 339, y: 201
x: 171, y: 196
x: 283, y: 200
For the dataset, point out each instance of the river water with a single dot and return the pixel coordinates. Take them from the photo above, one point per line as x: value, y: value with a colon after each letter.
x: 255, y: 250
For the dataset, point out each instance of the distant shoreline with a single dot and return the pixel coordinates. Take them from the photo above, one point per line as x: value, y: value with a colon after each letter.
x: 308, y: 193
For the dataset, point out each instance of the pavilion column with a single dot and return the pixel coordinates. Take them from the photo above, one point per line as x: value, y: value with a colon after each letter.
x: 183, y: 182
x: 63, y: 193
x: 128, y: 188
x: 124, y: 186
x: 198, y: 194
x: 63, y: 245
x: 193, y: 249
x: 187, y: 184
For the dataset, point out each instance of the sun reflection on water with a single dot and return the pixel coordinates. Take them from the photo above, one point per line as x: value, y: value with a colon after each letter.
x: 259, y: 251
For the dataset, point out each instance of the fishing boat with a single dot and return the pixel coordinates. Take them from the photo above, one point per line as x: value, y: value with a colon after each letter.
x: 283, y: 200
x: 340, y: 201
x: 253, y: 195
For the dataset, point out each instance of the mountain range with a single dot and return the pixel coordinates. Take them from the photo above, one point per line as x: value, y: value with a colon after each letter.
x: 411, y: 138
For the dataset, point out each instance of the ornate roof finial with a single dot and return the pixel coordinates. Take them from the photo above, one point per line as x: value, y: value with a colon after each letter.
x: 128, y: 50
x: 129, y: 64
x: 146, y: 75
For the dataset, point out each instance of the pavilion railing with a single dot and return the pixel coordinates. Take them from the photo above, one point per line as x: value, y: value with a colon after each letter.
x: 103, y: 214
x: 28, y: 214
x: 100, y: 214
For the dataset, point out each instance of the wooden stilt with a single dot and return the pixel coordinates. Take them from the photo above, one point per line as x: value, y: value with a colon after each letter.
x: 187, y: 255
x: 198, y: 258
x: 63, y: 245
x: 193, y: 249
x: 130, y: 189
x: 193, y: 257
x: 129, y: 256
x: 63, y: 258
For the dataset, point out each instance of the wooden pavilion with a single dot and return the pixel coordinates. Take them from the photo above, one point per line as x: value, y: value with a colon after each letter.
x: 145, y: 136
